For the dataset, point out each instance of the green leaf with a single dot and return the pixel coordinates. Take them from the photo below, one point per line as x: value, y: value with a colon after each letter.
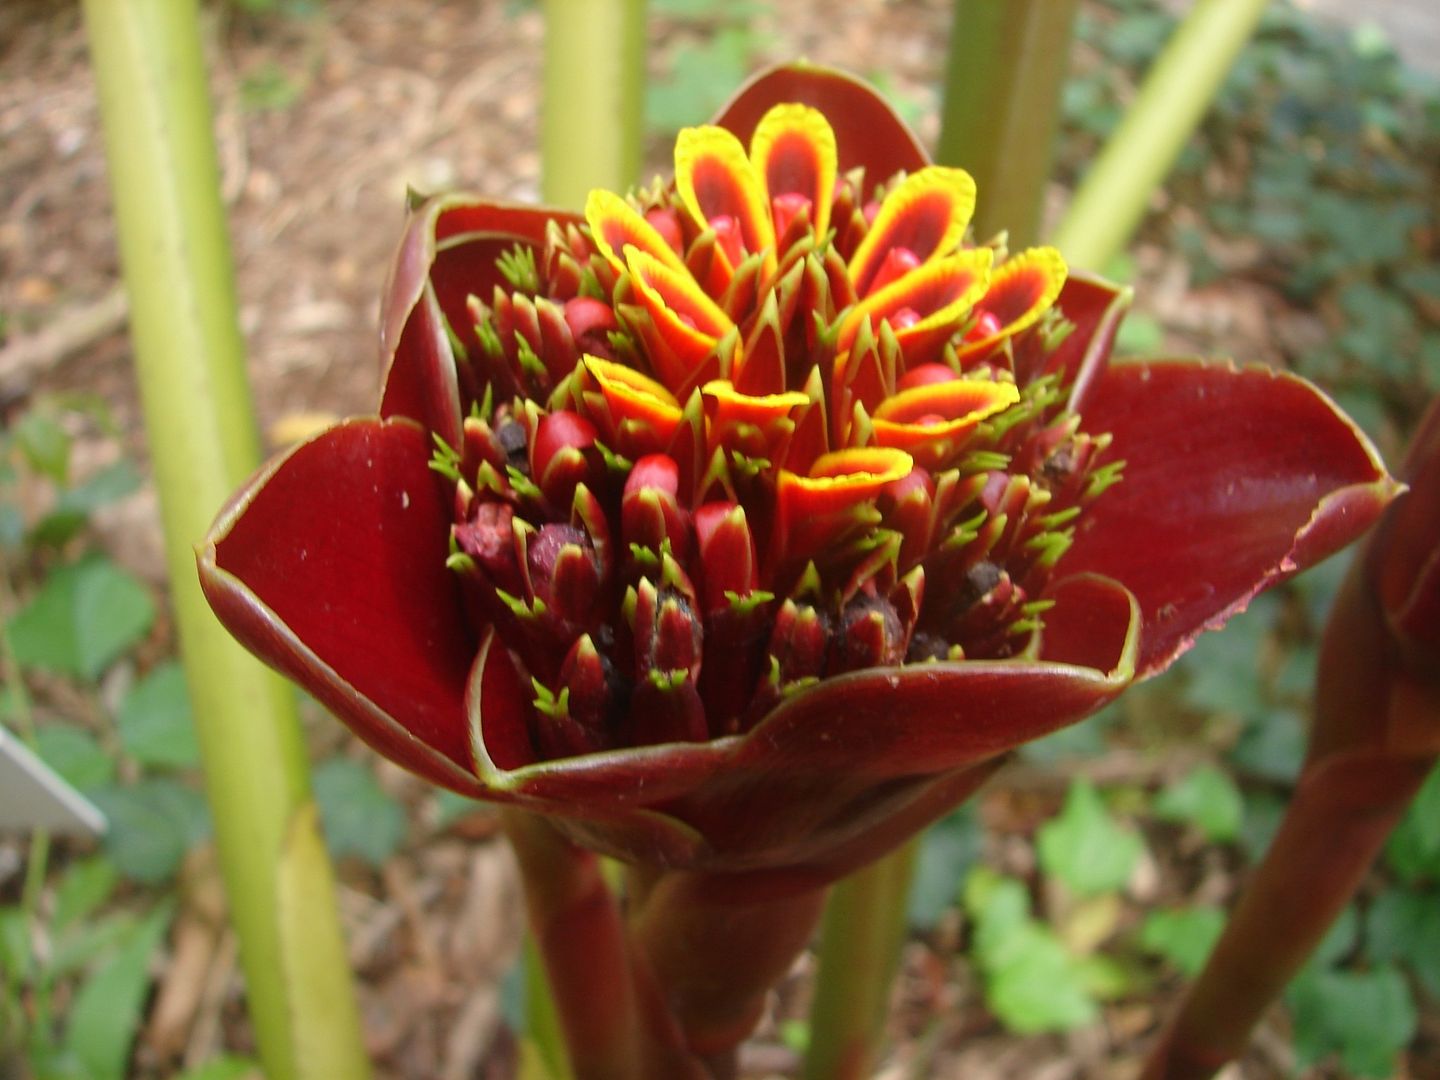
x: 1413, y: 850
x: 1221, y: 674
x: 84, y: 617
x: 106, y: 1011
x: 75, y: 754
x: 225, y: 1067
x: 86, y: 885
x: 1031, y: 983
x: 152, y: 826
x: 44, y: 443
x: 155, y: 723
x: 1207, y: 799
x: 1404, y: 926
x: 947, y: 851
x: 15, y: 955
x: 702, y: 77
x: 1183, y: 936
x: 1039, y: 987
x: 1367, y: 1017
x: 85, y: 942
x: 1263, y: 813
x: 1087, y: 848
x: 359, y: 816
x: 75, y: 505
x: 1273, y: 747
x: 1141, y: 335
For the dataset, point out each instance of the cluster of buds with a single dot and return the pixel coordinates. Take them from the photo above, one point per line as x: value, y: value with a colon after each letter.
x: 728, y: 437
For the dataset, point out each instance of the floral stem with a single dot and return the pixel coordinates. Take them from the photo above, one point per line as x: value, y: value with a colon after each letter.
x: 1001, y: 109
x: 1173, y: 98
x: 594, y: 97
x: 715, y: 946
x: 189, y: 358
x: 861, y: 935
x: 611, y: 1019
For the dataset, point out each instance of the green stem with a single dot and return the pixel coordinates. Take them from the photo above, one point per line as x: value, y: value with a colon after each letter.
x: 591, y: 122
x: 1172, y: 100
x: 189, y: 358
x: 860, y: 941
x: 1006, y: 67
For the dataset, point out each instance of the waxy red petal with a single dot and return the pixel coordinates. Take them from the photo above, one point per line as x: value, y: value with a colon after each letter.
x: 1234, y: 480
x: 714, y: 179
x: 690, y: 322
x: 931, y: 421
x: 616, y: 225
x: 447, y: 252
x: 925, y: 216
x: 793, y: 150
x: 641, y: 414
x: 1022, y: 288
x: 868, y: 132
x: 940, y: 294
x: 330, y: 566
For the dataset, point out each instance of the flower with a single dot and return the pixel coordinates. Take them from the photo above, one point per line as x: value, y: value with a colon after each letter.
x: 746, y: 523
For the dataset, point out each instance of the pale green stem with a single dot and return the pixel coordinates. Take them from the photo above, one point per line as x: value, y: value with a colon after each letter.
x: 189, y: 359
x: 861, y: 935
x: 591, y: 117
x: 1007, y: 63
x: 591, y: 131
x: 1173, y: 98
x: 542, y: 1023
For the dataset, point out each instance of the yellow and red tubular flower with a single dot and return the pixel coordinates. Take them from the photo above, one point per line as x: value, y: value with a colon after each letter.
x: 743, y: 523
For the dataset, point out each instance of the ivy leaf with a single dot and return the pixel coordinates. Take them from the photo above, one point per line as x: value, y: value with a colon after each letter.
x: 947, y: 851
x: 1365, y: 1016
x: 360, y: 817
x: 1031, y: 983
x: 1404, y: 926
x: 83, y: 618
x: 86, y: 885
x: 1183, y: 936
x: 1086, y: 847
x: 155, y: 723
x: 1207, y: 799
x: 152, y: 826
x: 106, y: 1012
x: 1413, y: 850
x: 75, y: 754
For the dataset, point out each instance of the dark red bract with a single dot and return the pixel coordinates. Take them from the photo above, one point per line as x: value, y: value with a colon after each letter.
x: 768, y: 513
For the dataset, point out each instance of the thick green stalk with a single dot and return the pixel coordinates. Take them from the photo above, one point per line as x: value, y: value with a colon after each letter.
x: 189, y: 360
x: 1173, y: 97
x: 591, y: 118
x: 1007, y: 63
x: 861, y: 935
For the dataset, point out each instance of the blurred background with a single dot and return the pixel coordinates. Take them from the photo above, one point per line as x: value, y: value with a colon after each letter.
x: 1053, y: 921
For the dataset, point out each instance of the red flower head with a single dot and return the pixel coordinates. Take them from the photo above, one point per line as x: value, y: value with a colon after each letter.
x: 745, y: 523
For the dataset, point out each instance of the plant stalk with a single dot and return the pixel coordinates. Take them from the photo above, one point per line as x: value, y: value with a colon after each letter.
x: 1006, y: 66
x: 189, y: 358
x: 861, y: 935
x: 1174, y: 96
x: 594, y: 97
x: 1376, y: 735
